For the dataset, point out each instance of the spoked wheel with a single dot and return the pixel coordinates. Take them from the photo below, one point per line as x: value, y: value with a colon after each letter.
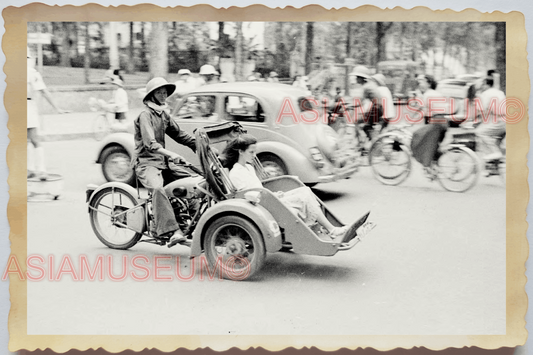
x: 236, y: 245
x: 390, y: 160
x: 101, y: 127
x: 458, y: 169
x: 111, y: 211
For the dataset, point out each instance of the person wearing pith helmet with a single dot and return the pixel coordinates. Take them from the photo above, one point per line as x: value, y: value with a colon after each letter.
x: 273, y: 77
x: 209, y: 74
x: 153, y: 163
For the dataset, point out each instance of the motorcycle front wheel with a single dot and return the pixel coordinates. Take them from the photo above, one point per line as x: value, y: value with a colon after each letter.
x: 113, y: 212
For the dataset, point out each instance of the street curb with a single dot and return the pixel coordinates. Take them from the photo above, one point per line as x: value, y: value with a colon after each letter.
x: 66, y: 136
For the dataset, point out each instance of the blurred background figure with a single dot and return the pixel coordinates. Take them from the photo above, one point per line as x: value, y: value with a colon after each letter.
x: 426, y: 140
x: 273, y: 77
x: 185, y: 84
x: 208, y: 74
x: 252, y: 78
x: 259, y: 76
x: 301, y: 82
x: 358, y: 79
x: 119, y: 103
x: 493, y: 131
x: 36, y: 160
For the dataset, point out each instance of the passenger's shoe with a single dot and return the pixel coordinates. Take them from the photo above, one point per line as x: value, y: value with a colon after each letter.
x: 176, y: 238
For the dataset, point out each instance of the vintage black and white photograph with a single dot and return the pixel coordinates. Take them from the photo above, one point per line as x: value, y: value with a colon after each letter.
x: 267, y: 178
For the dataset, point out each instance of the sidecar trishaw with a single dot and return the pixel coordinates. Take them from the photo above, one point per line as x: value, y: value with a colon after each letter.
x: 235, y: 229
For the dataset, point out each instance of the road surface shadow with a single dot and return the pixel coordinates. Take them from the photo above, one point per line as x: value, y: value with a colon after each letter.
x: 327, y: 195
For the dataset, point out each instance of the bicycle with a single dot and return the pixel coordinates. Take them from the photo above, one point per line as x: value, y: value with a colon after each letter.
x: 457, y: 169
x: 101, y: 124
x: 493, y: 167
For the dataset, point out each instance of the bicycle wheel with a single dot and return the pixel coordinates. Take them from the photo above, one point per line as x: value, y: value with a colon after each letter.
x: 458, y: 169
x: 101, y: 127
x: 111, y: 212
x: 390, y: 160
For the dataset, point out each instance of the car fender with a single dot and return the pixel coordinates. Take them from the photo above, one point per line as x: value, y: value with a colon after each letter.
x: 122, y: 139
x: 295, y: 162
x: 256, y: 214
x: 129, y: 189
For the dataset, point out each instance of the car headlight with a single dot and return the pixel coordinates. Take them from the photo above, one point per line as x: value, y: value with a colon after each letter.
x: 317, y: 157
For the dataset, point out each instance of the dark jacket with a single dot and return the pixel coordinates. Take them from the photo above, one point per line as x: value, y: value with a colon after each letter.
x: 150, y: 129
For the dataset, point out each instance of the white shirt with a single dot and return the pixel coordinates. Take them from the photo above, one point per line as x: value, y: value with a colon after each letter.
x: 120, y: 99
x: 244, y: 177
x: 35, y: 82
x: 487, y: 97
x: 389, y: 111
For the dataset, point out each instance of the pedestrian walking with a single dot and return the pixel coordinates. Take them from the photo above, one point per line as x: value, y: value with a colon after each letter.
x: 36, y: 159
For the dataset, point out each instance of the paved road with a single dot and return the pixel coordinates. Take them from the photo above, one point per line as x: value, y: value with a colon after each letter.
x: 434, y: 265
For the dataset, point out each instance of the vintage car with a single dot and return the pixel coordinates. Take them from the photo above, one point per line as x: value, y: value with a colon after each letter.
x: 292, y: 136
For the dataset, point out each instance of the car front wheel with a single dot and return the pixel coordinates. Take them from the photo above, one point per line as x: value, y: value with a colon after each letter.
x: 116, y: 165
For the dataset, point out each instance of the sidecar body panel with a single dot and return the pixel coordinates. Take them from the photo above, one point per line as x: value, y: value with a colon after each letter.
x: 257, y: 214
x: 302, y: 239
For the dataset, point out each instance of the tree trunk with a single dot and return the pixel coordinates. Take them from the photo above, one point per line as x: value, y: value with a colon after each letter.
x: 143, y: 47
x: 309, y: 47
x: 279, y: 46
x: 349, y: 40
x: 130, y: 63
x: 239, y: 55
x: 65, y: 45
x: 500, y: 42
x: 158, y: 64
x: 87, y: 56
x: 381, y: 31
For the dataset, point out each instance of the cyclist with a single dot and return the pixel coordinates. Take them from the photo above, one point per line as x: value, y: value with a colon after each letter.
x: 427, y: 139
x: 152, y: 159
x: 492, y: 132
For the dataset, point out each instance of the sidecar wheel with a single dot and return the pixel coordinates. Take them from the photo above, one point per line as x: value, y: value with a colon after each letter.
x: 237, y: 245
x: 109, y: 217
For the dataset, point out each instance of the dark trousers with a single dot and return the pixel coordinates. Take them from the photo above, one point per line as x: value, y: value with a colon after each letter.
x: 426, y: 142
x: 154, y: 179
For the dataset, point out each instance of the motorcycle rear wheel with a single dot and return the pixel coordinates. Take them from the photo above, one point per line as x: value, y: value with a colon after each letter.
x: 109, y: 212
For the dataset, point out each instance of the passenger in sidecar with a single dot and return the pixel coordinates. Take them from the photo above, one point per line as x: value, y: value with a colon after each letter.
x: 304, y: 228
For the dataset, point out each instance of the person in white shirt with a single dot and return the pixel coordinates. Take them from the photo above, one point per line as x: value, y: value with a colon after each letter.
x: 238, y: 157
x: 36, y: 161
x: 273, y: 77
x: 119, y: 103
x: 492, y: 132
